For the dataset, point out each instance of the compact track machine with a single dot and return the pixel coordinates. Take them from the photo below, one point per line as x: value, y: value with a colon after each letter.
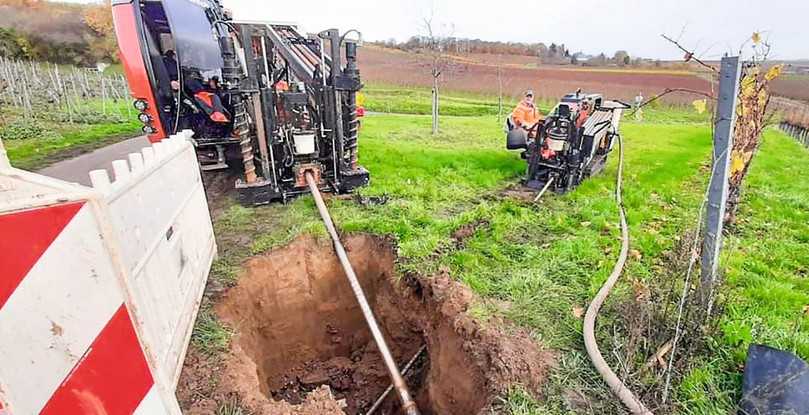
x: 571, y: 144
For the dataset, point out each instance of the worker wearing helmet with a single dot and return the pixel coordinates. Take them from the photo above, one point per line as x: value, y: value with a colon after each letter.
x: 526, y: 115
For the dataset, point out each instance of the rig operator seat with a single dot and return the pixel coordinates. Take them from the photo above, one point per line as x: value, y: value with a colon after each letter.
x: 203, y: 107
x: 516, y: 138
x: 563, y: 110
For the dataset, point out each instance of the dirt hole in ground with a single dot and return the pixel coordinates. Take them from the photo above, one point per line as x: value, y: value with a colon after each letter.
x: 301, y: 341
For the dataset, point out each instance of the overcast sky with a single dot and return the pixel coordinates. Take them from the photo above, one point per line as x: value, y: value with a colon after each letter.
x: 712, y: 27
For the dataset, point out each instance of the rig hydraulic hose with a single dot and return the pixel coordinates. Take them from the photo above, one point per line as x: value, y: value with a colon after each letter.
x: 618, y: 388
x: 408, y: 404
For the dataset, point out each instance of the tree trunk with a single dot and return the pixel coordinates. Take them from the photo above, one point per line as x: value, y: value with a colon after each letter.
x: 499, y: 94
x: 435, y: 105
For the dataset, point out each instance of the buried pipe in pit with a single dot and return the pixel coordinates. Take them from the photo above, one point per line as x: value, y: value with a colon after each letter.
x: 408, y: 404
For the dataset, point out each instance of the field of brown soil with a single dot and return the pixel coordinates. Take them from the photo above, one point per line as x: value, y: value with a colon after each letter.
x: 501, y: 59
x: 477, y: 73
x: 792, y: 86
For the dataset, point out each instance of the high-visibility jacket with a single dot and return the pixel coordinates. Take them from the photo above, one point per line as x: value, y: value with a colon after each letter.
x: 583, y: 115
x: 525, y: 114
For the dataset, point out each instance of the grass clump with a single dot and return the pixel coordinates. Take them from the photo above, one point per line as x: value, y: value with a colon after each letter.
x: 22, y: 129
x: 518, y: 402
x: 210, y: 335
x: 230, y: 407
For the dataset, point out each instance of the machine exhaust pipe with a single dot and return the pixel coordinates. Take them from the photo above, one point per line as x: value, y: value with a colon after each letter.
x: 408, y: 404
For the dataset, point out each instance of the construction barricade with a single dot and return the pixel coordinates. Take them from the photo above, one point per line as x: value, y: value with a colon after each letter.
x: 99, y: 287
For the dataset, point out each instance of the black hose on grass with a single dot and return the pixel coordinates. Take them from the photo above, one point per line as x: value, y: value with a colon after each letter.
x: 618, y: 388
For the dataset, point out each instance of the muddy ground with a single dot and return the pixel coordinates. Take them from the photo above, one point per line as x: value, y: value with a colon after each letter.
x: 301, y: 345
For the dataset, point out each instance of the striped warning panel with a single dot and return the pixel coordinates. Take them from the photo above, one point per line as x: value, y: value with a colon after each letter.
x: 67, y: 342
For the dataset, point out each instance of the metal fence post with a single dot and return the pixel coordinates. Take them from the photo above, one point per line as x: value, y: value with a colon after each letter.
x: 718, y: 189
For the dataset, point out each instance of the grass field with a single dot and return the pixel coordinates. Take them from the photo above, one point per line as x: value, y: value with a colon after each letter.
x: 36, y: 142
x: 766, y: 267
x: 416, y: 100
x: 537, y: 264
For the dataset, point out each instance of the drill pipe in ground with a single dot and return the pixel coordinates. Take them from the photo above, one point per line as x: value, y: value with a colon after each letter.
x: 544, y: 189
x: 406, y: 367
x: 408, y: 404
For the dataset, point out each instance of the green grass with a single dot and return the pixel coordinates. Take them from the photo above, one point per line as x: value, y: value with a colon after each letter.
x: 32, y: 144
x: 766, y: 269
x: 210, y: 335
x: 416, y: 100
x: 518, y: 402
x: 542, y: 261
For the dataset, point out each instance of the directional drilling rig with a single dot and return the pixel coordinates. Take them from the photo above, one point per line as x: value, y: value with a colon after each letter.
x: 260, y: 97
x: 571, y: 144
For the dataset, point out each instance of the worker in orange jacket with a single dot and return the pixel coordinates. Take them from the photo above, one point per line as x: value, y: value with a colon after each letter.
x: 584, y: 113
x: 526, y: 115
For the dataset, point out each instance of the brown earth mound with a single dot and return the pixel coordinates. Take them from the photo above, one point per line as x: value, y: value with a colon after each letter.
x: 302, y: 345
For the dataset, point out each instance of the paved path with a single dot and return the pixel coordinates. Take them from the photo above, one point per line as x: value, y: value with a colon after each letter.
x: 76, y: 169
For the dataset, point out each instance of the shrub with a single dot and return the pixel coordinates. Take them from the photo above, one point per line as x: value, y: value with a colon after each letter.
x: 23, y: 128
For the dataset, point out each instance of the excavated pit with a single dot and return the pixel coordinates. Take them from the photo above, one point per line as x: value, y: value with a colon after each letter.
x: 298, y: 327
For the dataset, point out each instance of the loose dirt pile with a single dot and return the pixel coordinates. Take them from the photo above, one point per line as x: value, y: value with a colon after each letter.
x: 302, y: 345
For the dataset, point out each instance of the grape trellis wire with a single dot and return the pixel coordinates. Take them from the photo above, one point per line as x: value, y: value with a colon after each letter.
x: 62, y: 93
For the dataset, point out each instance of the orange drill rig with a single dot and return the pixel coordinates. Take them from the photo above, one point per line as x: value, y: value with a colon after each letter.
x: 260, y: 97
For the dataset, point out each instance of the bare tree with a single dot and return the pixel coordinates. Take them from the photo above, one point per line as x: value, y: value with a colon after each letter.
x: 439, y: 61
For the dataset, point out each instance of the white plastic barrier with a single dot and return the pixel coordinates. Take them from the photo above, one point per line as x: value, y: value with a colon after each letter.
x: 99, y: 288
x: 160, y: 215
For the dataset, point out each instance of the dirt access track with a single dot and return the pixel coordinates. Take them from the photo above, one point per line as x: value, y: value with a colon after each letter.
x: 301, y: 345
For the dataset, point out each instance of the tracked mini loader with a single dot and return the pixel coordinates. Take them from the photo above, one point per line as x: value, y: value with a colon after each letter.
x: 260, y: 97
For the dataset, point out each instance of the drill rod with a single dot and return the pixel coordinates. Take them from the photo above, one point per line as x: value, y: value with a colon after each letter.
x: 408, y: 404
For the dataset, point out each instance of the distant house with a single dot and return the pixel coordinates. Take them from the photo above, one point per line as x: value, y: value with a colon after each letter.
x: 581, y: 57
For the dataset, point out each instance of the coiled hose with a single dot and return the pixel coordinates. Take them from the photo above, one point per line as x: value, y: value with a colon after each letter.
x: 618, y: 388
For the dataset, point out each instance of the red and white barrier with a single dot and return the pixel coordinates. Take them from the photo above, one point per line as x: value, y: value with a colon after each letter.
x: 99, y: 287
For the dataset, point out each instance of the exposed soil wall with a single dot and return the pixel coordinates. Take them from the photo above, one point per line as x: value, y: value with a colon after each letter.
x: 302, y: 346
